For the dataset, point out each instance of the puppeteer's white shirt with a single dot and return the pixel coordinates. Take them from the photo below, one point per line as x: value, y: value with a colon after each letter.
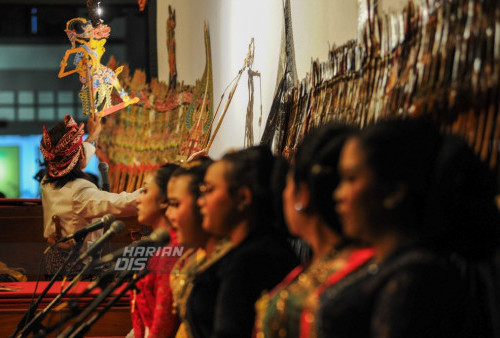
x: 79, y: 202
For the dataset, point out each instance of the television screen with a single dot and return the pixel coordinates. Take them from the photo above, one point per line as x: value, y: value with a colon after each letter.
x: 9, y: 171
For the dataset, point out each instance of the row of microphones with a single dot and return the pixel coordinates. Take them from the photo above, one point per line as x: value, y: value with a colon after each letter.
x: 115, y: 228
x: 157, y: 237
x: 78, y: 236
x: 34, y: 325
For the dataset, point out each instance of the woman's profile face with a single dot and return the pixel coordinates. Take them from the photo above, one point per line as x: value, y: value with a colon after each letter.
x: 181, y: 210
x: 217, y: 206
x: 149, y: 203
x: 359, y: 205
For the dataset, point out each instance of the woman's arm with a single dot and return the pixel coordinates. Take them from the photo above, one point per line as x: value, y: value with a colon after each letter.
x: 90, y: 202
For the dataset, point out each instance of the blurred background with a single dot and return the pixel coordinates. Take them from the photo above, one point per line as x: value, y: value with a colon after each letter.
x: 32, y: 44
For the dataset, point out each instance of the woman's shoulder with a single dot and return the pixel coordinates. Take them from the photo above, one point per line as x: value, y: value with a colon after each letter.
x: 82, y: 182
x: 260, y: 254
x: 407, y: 268
x: 418, y: 270
x: 416, y: 258
x: 69, y: 191
x: 264, y: 247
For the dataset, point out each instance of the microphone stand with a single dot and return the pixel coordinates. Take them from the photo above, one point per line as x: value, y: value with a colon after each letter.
x: 28, y: 315
x: 35, y: 324
x: 98, y: 300
x: 72, y: 304
x: 85, y: 327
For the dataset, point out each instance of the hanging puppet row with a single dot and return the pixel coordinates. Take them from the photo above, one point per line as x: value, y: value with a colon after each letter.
x: 435, y: 57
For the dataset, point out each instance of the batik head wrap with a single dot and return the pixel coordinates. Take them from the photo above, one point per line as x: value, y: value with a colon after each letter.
x: 63, y: 156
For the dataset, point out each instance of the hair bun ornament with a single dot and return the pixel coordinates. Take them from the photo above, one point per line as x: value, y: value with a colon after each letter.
x: 319, y: 177
x: 318, y: 169
x: 191, y: 164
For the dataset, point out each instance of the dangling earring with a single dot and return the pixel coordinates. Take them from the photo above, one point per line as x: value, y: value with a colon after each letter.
x: 298, y: 207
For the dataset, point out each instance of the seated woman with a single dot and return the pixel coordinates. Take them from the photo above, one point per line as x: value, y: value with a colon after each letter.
x: 237, y: 203
x: 204, y: 249
x: 310, y: 214
x: 152, y: 304
x: 69, y: 200
x: 412, y: 288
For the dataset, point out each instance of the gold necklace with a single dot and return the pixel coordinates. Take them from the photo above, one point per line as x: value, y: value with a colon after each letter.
x: 315, y: 274
x: 190, y: 265
x: 181, y: 277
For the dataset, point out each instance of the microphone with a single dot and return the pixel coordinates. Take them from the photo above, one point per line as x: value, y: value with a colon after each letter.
x: 103, y: 169
x: 159, y: 237
x: 81, y: 233
x: 116, y: 227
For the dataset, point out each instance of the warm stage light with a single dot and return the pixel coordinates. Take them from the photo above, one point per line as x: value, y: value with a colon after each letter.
x: 99, y: 9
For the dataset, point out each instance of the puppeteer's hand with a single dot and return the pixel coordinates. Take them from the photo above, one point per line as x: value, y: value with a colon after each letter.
x: 94, y: 127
